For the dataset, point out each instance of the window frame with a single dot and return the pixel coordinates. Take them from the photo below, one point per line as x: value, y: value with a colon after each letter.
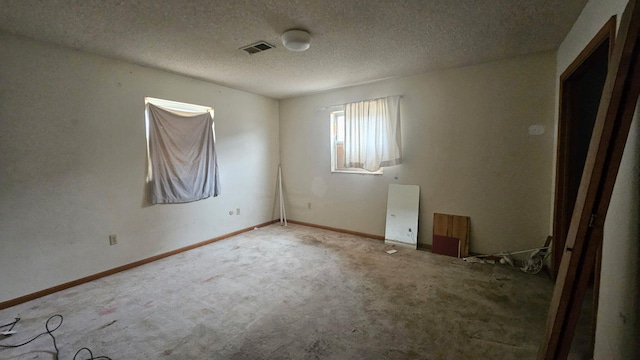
x: 176, y: 106
x: 182, y: 175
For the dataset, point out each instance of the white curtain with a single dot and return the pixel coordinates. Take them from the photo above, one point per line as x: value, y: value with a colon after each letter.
x: 372, y: 133
x: 182, y: 156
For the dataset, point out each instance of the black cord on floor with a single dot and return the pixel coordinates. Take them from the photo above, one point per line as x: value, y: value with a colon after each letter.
x: 91, y: 355
x: 12, y: 324
x: 49, y: 331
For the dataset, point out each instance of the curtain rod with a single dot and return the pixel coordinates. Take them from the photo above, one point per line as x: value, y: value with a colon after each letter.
x: 340, y: 105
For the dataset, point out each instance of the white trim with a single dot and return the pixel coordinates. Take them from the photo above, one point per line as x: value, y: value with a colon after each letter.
x: 361, y: 172
x: 408, y: 245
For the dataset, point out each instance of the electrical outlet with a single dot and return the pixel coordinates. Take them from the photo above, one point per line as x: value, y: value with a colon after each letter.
x: 309, y: 206
x: 113, y: 240
x: 238, y: 211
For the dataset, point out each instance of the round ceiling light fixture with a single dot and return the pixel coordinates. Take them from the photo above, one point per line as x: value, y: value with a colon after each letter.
x: 296, y: 40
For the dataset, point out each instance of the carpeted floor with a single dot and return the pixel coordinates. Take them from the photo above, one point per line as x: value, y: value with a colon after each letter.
x: 294, y: 293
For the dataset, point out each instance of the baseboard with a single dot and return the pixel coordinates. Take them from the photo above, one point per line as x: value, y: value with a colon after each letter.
x: 51, y: 290
x: 424, y: 247
x: 377, y: 237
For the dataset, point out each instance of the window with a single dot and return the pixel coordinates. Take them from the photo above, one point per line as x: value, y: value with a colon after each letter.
x: 181, y: 156
x: 365, y: 136
x: 337, y: 147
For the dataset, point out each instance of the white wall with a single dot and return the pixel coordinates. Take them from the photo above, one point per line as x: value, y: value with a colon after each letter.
x: 617, y: 332
x: 72, y: 165
x: 466, y: 143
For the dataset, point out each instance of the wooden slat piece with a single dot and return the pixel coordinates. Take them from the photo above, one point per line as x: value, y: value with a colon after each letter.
x: 446, y: 245
x: 441, y: 224
x: 460, y: 230
x: 452, y: 226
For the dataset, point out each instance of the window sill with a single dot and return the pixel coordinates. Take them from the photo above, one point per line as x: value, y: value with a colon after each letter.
x: 379, y: 172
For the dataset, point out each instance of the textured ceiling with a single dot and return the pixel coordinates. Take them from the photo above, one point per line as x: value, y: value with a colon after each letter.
x: 353, y: 41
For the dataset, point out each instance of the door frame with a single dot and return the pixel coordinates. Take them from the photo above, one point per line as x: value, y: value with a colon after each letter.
x: 560, y: 220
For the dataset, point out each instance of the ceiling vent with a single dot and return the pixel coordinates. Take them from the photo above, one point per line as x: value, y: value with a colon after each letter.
x: 257, y: 47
